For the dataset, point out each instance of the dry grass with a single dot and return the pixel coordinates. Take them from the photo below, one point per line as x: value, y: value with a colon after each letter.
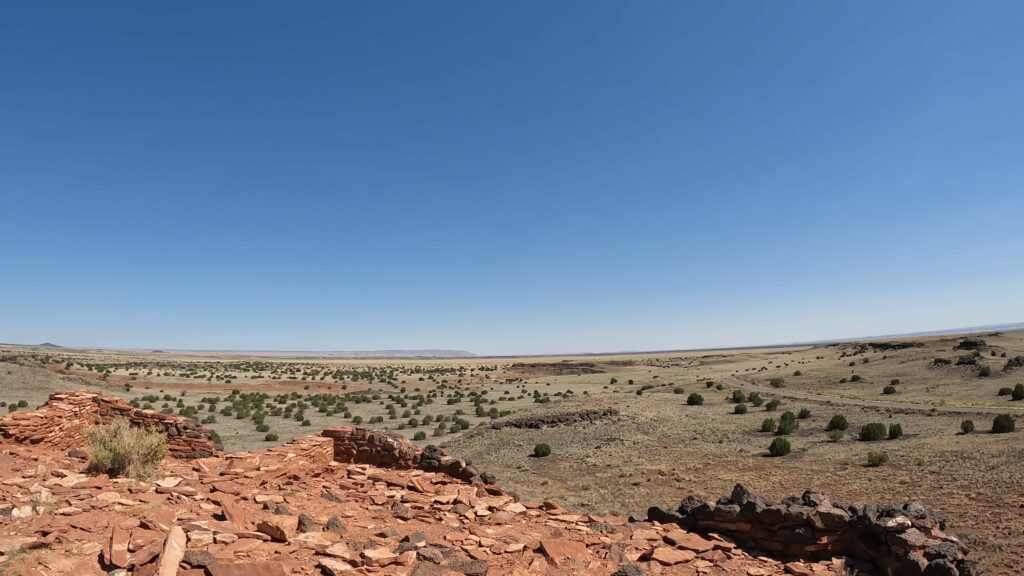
x: 120, y: 449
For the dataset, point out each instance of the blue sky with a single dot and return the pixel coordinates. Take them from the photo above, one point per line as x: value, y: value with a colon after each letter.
x: 507, y: 177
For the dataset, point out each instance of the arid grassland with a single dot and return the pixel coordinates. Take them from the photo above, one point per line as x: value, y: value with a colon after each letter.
x: 895, y: 420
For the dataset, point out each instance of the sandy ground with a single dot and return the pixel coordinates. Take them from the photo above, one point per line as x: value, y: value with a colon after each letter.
x: 658, y: 449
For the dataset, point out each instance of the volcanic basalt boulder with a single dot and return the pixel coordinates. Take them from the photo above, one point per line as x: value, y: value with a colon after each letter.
x: 900, y: 540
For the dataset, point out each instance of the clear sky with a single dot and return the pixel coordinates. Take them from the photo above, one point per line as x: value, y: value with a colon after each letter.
x: 507, y: 177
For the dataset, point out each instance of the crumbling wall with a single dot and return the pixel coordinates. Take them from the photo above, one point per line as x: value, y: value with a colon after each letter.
x: 904, y: 540
x: 65, y: 417
x: 364, y: 446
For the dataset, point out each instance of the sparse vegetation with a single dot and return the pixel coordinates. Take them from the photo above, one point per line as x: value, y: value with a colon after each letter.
x: 541, y: 450
x: 876, y: 459
x: 967, y: 426
x: 872, y: 432
x: 779, y: 447
x: 119, y: 449
x: 694, y: 399
x: 838, y: 422
x: 1002, y: 424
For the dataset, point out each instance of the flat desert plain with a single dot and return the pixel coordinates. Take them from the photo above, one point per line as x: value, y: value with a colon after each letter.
x: 634, y: 430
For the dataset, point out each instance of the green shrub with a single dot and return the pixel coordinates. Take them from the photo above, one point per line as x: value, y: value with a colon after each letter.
x: 421, y: 435
x: 738, y: 396
x: 694, y: 399
x: 889, y: 390
x: 836, y: 435
x: 855, y: 378
x: 740, y: 408
x: 804, y: 413
x: 1018, y: 392
x: 542, y: 450
x: 768, y: 425
x: 872, y: 432
x: 1002, y: 424
x: 709, y: 384
x: 895, y: 431
x: 772, y: 405
x: 838, y: 422
x: 755, y: 399
x: 262, y: 427
x: 1004, y: 391
x: 357, y: 420
x: 118, y: 449
x: 876, y: 459
x: 967, y: 426
x: 305, y: 422
x: 271, y: 437
x: 779, y: 447
x: 777, y: 382
x: 985, y: 371
x: 894, y: 381
x: 22, y: 403
x: 678, y: 390
x: 787, y: 424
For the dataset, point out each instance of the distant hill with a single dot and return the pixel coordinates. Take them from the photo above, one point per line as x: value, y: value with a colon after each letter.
x: 47, y: 345
x: 325, y: 354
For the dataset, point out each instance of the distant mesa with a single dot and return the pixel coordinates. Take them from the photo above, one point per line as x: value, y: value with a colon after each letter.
x: 48, y: 345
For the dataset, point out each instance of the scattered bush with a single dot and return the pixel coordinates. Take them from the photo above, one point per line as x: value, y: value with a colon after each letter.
x: 738, y: 396
x: 421, y: 435
x: 836, y: 435
x: 1018, y: 392
x: 542, y: 450
x: 1004, y: 391
x: 118, y: 449
x: 777, y: 382
x: 740, y: 408
x: 694, y: 399
x: 889, y: 390
x: 779, y: 447
x: 772, y: 405
x: 895, y: 431
x: 1002, y: 424
x: 768, y: 425
x: 855, y: 378
x: 804, y: 413
x: 985, y: 371
x: 787, y: 424
x: 271, y: 437
x: 678, y: 390
x: 872, y: 432
x: 967, y: 426
x: 876, y: 459
x: 755, y: 399
x: 838, y: 422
